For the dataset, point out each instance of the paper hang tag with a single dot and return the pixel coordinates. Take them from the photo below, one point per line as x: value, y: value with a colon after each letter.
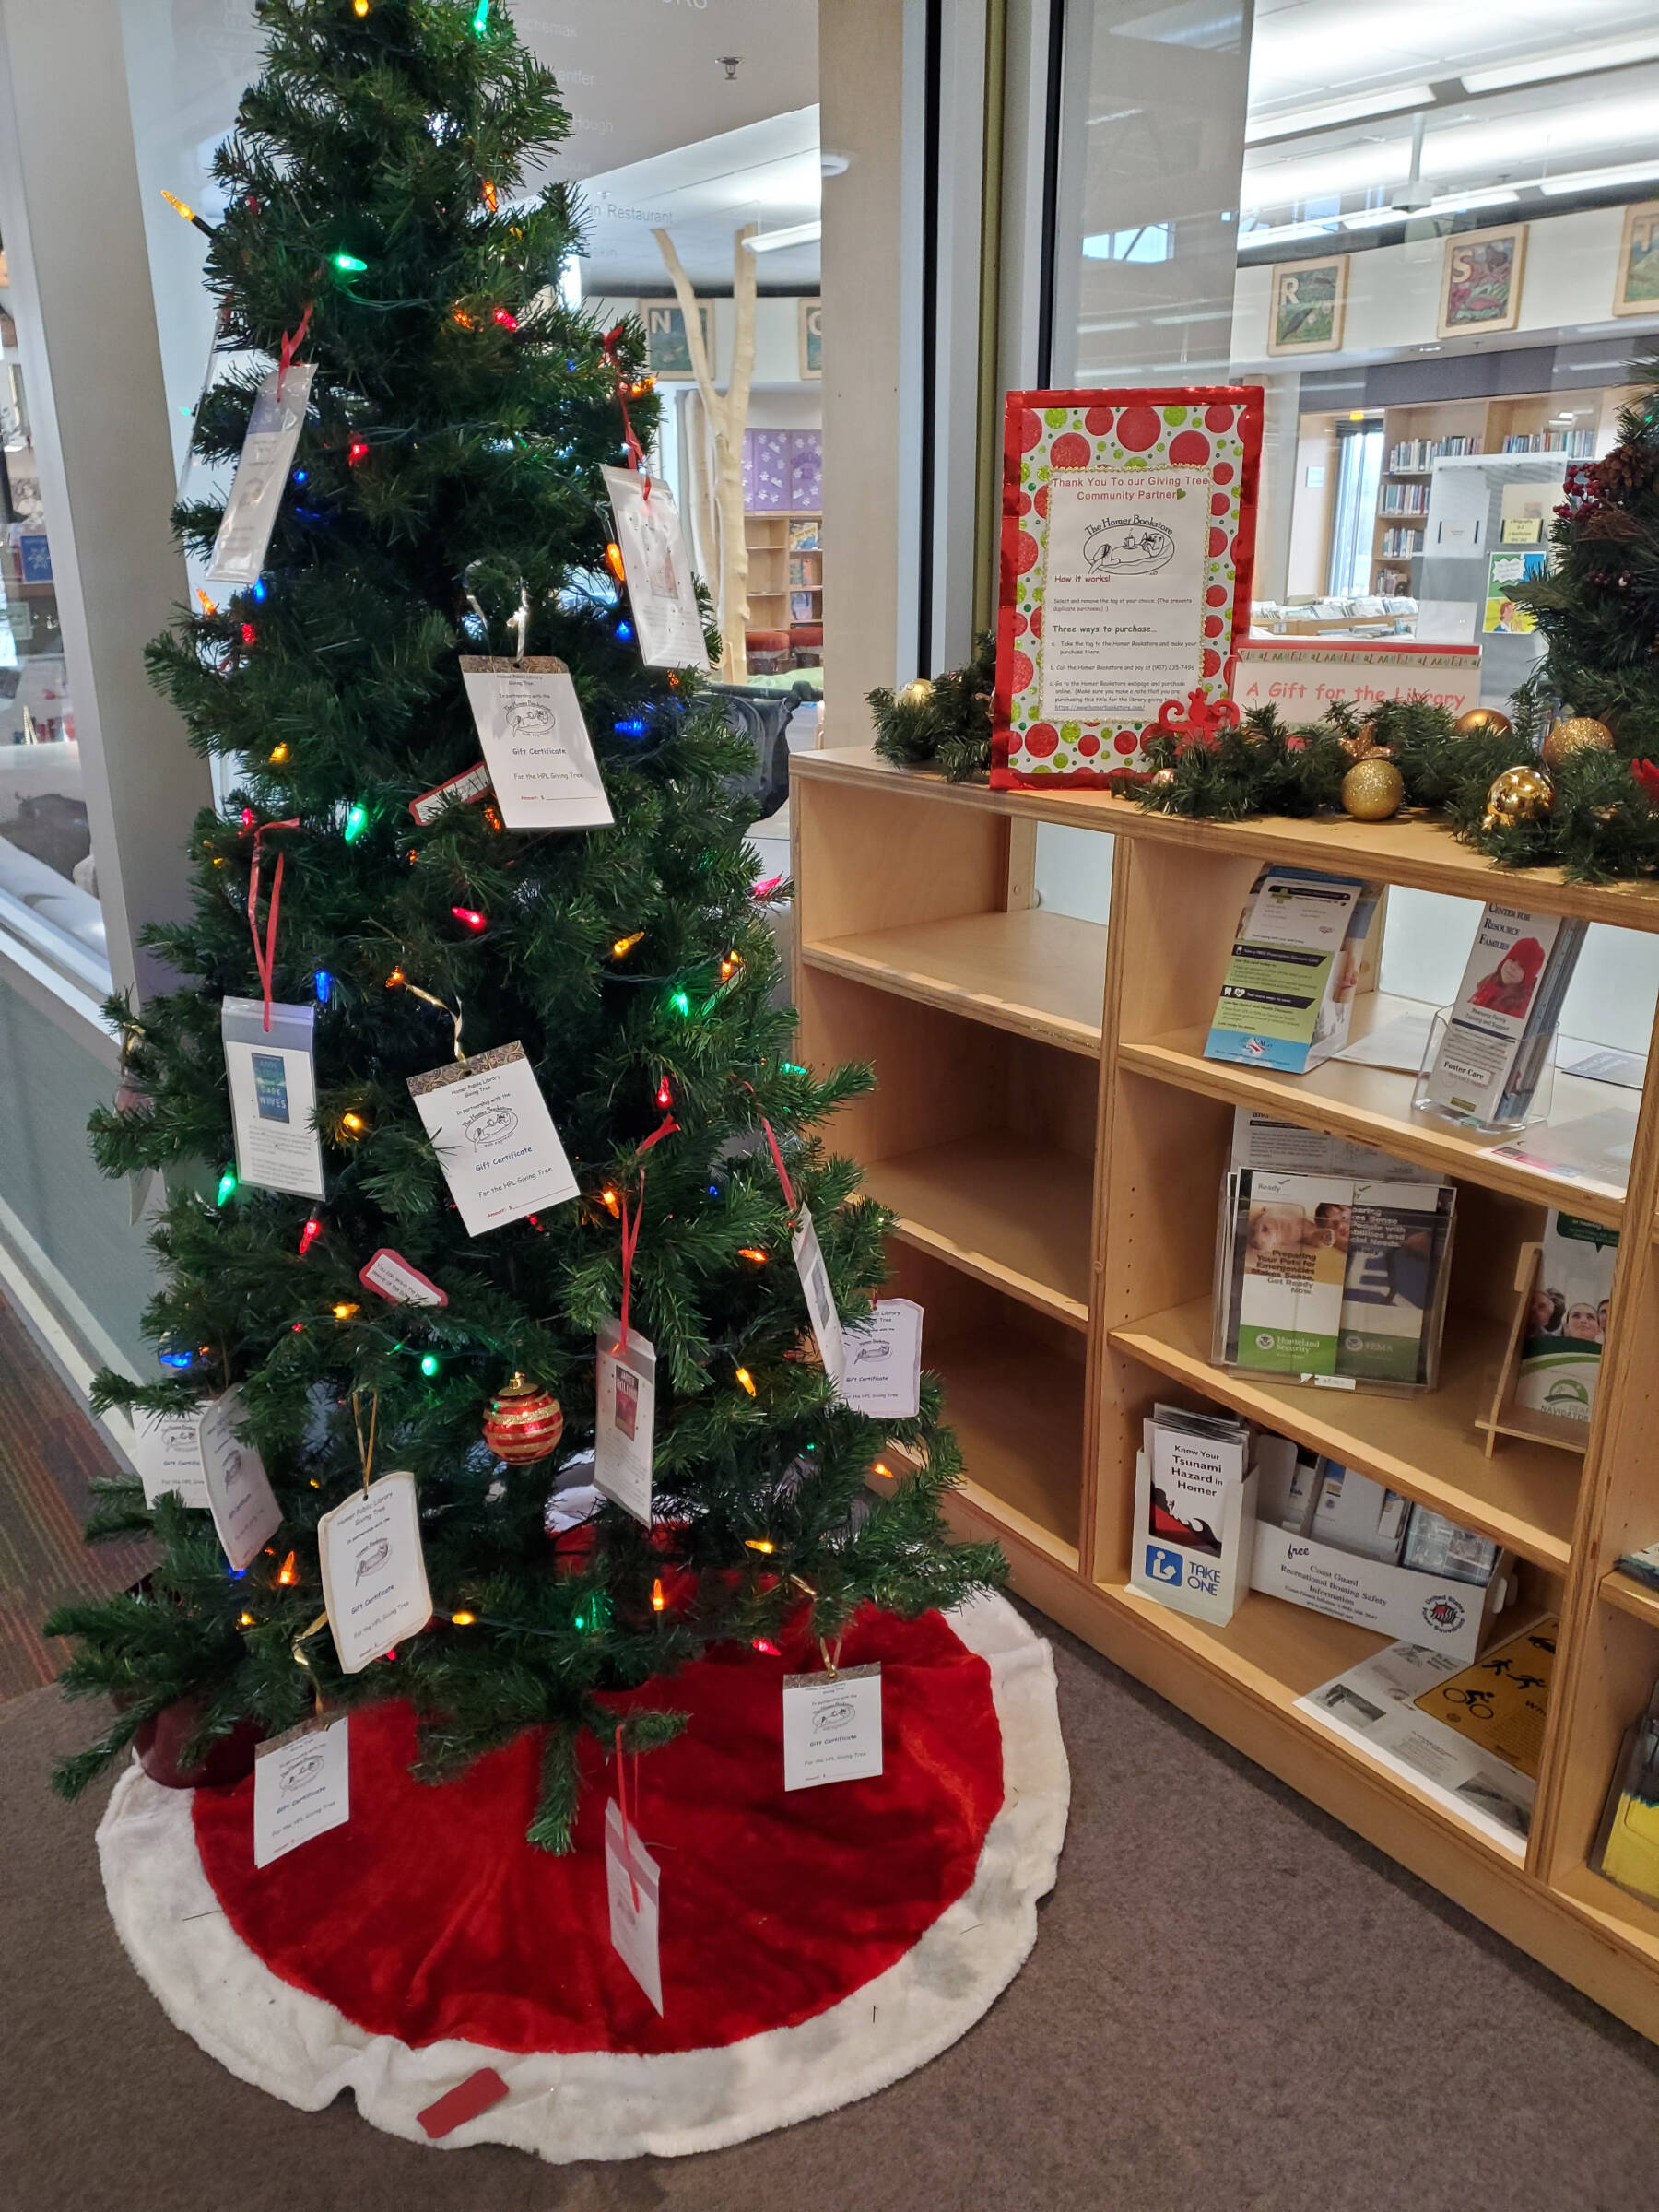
x: 273, y: 1096
x: 167, y: 1448
x: 249, y: 516
x: 661, y: 593
x: 633, y: 1904
x: 374, y: 1577
x: 820, y: 1302
x: 470, y: 788
x: 831, y: 1726
x: 245, y: 1513
x: 391, y: 1276
x: 301, y: 1787
x: 883, y: 1375
x: 494, y: 1138
x: 535, y: 743
x: 625, y: 1430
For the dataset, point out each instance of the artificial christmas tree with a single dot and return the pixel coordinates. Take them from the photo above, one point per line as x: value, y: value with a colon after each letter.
x: 444, y: 502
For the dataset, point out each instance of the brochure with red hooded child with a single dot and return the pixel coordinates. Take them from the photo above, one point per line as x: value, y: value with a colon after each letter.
x: 1496, y: 1042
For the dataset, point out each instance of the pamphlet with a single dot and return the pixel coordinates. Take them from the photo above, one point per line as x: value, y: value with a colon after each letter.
x: 1497, y: 1037
x: 272, y: 1084
x: 1286, y: 1148
x: 1396, y: 1240
x: 1194, y: 1512
x: 1287, y: 994
x: 1500, y: 1703
x: 535, y: 743
x: 494, y: 1137
x: 1355, y: 1515
x: 1627, y: 1846
x: 1375, y: 1704
x: 1561, y: 1353
x: 1292, y: 1276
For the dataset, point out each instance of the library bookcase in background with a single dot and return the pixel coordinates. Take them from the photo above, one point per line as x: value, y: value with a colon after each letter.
x: 1052, y: 1140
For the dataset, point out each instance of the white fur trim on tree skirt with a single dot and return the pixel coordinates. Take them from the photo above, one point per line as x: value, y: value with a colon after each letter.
x: 605, y: 2104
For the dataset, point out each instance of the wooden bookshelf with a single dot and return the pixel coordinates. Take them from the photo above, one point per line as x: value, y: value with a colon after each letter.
x: 1050, y: 1138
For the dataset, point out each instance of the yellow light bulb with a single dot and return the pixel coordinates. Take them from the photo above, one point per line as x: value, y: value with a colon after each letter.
x: 747, y: 1251
x: 246, y: 1621
x: 759, y: 1543
x: 747, y: 1380
x: 279, y: 753
x: 462, y: 1620
x: 359, y: 8
x: 344, y: 1311
x: 355, y: 1123
x: 882, y: 1468
x: 657, y: 1600
x: 289, y: 1572
x: 624, y: 945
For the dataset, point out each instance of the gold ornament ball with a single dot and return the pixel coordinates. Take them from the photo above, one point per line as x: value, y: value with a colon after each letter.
x: 1483, y: 721
x: 1372, y: 790
x: 1519, y: 794
x: 1161, y: 778
x: 1576, y: 734
x: 525, y: 1422
x: 917, y: 693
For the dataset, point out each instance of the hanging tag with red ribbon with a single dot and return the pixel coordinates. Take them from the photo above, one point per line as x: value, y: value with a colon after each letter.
x: 633, y: 1888
x: 270, y: 1060
x: 265, y: 955
x: 609, y: 346
x: 291, y: 343
x: 625, y: 1379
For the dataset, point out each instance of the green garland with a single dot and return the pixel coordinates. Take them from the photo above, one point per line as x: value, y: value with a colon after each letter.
x: 945, y: 721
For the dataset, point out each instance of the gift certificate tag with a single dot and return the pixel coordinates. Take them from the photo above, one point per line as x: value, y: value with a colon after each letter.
x: 883, y: 1375
x: 625, y: 1418
x: 831, y: 1726
x: 244, y: 1508
x: 535, y: 744
x: 244, y: 531
x: 390, y: 1275
x: 374, y: 1577
x: 167, y: 1449
x: 633, y: 1904
x: 820, y: 1304
x: 494, y: 1138
x: 273, y: 1096
x: 301, y: 1787
x: 660, y: 590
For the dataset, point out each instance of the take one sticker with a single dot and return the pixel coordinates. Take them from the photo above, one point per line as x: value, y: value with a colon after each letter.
x: 301, y: 1787
x: 831, y: 1726
x: 374, y: 1577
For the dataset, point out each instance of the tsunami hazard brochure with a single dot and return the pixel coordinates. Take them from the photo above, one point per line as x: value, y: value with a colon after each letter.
x: 1287, y: 994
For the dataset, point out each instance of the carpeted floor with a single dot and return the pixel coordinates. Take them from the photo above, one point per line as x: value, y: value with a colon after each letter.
x: 1233, y: 2006
x: 49, y: 1453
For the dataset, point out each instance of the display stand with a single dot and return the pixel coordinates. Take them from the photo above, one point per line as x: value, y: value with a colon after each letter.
x: 1050, y: 1135
x: 1507, y: 1418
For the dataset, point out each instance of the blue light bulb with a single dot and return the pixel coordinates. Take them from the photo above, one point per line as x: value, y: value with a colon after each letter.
x: 325, y: 986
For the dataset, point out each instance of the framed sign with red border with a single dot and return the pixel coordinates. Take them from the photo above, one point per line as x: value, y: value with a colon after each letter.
x: 1127, y: 538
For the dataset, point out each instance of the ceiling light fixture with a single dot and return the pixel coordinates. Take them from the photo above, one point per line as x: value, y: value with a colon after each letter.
x: 1360, y: 106
x: 797, y: 234
x: 1571, y: 61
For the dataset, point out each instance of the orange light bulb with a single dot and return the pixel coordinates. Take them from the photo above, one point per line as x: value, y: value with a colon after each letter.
x: 747, y: 1380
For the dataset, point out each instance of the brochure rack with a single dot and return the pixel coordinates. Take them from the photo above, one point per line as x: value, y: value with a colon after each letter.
x: 1050, y: 1135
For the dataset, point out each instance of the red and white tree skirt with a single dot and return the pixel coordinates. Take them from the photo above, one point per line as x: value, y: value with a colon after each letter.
x: 816, y: 1946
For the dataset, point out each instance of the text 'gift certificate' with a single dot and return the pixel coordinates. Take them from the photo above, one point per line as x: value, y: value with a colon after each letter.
x: 374, y: 1577
x: 1127, y: 542
x: 661, y: 593
x: 494, y: 1138
x: 535, y: 743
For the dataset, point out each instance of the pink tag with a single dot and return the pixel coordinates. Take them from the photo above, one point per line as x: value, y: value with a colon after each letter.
x: 464, y: 2102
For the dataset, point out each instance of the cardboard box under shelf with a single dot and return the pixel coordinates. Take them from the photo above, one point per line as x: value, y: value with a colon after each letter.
x: 1449, y: 1617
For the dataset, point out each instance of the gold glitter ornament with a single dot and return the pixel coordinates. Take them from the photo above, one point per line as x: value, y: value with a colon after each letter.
x: 525, y: 1422
x: 1519, y: 794
x: 1483, y: 721
x: 1574, y: 733
x: 1372, y: 790
x: 917, y: 693
x: 1161, y: 778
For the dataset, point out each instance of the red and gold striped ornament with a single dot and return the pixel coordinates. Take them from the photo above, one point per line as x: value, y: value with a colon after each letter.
x: 525, y: 1422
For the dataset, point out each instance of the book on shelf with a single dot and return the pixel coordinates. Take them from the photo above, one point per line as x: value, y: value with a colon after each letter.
x: 1560, y: 1352
x: 1578, y: 445
x: 1417, y: 456
x: 1469, y: 1736
x: 1287, y: 994
x: 1641, y: 1565
x: 1496, y: 1041
x: 1402, y: 544
x: 806, y: 535
x: 1404, y: 498
x: 1627, y: 1844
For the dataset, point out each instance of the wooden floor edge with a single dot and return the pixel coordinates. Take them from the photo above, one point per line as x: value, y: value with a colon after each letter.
x: 1547, y: 1924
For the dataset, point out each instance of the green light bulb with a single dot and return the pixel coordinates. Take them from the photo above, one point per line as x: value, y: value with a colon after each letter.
x: 429, y: 1363
x: 349, y: 264
x: 681, y: 1002
x: 481, y: 19
x: 356, y: 821
x: 226, y: 1186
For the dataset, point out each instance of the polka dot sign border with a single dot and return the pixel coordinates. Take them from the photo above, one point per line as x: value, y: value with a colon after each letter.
x: 1217, y: 429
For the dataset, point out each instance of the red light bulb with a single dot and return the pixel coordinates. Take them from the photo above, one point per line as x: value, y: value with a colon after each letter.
x: 470, y: 918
